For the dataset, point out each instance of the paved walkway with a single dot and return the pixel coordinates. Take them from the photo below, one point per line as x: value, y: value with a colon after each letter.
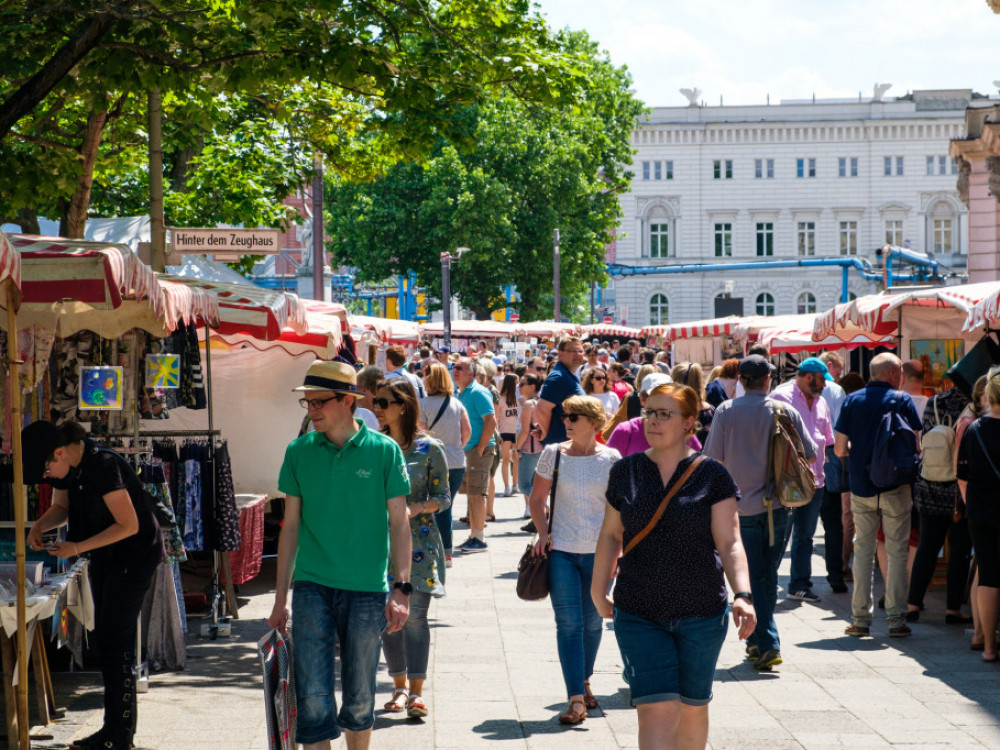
x: 494, y: 679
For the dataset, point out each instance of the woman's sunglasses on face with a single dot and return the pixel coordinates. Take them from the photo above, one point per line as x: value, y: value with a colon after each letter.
x: 383, y: 403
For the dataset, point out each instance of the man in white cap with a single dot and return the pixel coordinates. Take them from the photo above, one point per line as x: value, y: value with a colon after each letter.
x: 345, y: 492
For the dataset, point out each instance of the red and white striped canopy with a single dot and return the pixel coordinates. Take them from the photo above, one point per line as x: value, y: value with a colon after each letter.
x: 548, y: 329
x: 326, y: 325
x: 475, y: 329
x: 611, y: 329
x: 10, y: 264
x: 794, y: 333
x: 694, y: 329
x: 189, y: 304
x: 386, y: 330
x: 251, y: 310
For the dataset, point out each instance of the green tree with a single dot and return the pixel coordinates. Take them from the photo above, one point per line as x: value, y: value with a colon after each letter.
x: 533, y: 169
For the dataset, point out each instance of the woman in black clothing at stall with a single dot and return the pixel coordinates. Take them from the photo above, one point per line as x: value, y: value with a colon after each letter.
x: 99, y: 495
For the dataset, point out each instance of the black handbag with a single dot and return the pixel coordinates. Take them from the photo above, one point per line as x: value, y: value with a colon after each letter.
x: 532, y: 570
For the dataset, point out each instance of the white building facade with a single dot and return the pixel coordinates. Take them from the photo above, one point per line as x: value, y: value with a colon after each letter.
x: 798, y: 180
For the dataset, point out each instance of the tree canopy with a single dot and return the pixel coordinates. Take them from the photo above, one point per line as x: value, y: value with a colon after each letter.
x: 533, y: 168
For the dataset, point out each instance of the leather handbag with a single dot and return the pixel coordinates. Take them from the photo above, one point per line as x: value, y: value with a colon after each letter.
x: 532, y: 570
x: 663, y: 505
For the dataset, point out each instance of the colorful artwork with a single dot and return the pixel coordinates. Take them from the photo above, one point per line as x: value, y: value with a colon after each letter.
x: 101, y: 388
x: 937, y: 355
x: 163, y: 371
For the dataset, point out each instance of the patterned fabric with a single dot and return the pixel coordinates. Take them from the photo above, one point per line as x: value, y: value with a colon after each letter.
x: 428, y: 472
x: 938, y: 498
x: 194, y: 396
x: 190, y: 509
x: 173, y: 543
x: 227, y: 517
x: 276, y: 660
x: 163, y: 634
x: 245, y: 562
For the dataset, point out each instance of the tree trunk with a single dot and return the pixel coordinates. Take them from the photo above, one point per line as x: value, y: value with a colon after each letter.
x: 74, y: 221
x: 178, y: 172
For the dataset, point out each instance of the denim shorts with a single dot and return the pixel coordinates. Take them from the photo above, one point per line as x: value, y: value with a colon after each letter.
x: 672, y: 660
x: 320, y: 617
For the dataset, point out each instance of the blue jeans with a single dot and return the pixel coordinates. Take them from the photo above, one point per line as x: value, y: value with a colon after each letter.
x: 357, y: 619
x: 763, y: 559
x: 801, y: 529
x: 526, y: 473
x: 672, y: 660
x: 443, y: 517
x: 578, y: 625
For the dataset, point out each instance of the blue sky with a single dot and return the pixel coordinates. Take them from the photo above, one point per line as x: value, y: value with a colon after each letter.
x: 790, y: 49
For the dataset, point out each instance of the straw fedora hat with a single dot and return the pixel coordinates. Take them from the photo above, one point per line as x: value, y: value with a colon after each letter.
x: 331, y: 376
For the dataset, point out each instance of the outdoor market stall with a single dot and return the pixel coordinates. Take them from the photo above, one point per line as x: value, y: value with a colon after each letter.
x: 548, y: 329
x: 792, y: 334
x: 611, y: 330
x: 707, y: 342
x: 463, y: 332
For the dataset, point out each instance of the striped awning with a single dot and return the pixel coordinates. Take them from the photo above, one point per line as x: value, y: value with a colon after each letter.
x: 694, y: 329
x: 10, y: 265
x: 386, y: 330
x: 611, y: 329
x: 326, y: 321
x: 548, y: 329
x: 475, y: 329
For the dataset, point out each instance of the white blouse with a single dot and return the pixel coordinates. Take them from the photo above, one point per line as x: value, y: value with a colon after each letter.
x: 579, y: 506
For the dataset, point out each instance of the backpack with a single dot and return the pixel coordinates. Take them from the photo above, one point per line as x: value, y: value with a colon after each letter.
x: 790, y: 478
x: 939, y: 450
x: 895, y: 458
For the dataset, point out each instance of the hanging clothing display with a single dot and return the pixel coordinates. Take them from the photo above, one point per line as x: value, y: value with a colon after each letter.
x: 162, y: 628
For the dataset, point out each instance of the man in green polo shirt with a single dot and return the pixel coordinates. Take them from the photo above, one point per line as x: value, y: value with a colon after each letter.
x: 345, y: 512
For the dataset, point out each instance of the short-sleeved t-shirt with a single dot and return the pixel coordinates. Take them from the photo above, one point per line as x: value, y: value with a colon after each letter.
x: 101, y: 472
x: 344, y: 530
x: 478, y: 402
x: 559, y: 386
x: 982, y: 503
x: 676, y: 571
x: 859, y: 420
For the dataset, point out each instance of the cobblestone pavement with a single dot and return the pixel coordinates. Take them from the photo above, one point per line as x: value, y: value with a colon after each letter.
x: 494, y: 678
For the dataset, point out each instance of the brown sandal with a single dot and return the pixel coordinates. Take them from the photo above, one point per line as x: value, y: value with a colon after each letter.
x: 574, y: 717
x: 588, y: 697
x: 398, y: 701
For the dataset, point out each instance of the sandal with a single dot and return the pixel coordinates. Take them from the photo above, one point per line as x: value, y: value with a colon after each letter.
x: 416, y: 708
x: 490, y: 517
x: 398, y: 702
x: 588, y: 697
x: 574, y: 717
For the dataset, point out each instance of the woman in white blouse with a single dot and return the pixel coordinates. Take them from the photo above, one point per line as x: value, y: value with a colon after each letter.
x: 577, y: 514
x: 595, y: 382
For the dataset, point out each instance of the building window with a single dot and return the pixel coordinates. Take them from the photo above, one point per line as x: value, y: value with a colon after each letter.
x: 669, y: 168
x: 765, y: 238
x: 659, y: 240
x: 722, y: 169
x: 645, y: 170
x: 763, y: 168
x: 894, y: 232
x: 939, y: 165
x: 888, y: 162
x: 943, y: 239
x: 848, y: 238
x: 807, y: 238
x: 805, y: 167
x: 854, y: 166
x: 657, y: 170
x: 765, y: 304
x: 724, y: 240
x: 930, y: 166
x: 847, y: 167
x: 806, y: 303
x: 659, y: 310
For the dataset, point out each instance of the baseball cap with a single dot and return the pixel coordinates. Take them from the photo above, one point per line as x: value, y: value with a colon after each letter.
x: 444, y: 349
x: 814, y: 364
x: 755, y: 366
x: 653, y: 381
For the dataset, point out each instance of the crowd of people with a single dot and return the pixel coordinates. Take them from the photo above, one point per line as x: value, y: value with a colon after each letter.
x: 648, y: 486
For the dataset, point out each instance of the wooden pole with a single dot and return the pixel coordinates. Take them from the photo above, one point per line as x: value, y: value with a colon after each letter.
x: 20, y: 514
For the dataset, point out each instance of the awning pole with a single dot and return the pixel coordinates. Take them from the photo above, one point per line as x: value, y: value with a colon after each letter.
x: 20, y: 514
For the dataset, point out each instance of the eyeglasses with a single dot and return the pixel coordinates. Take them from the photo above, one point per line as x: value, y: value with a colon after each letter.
x: 659, y: 415
x: 572, y: 417
x: 319, y: 403
x: 383, y: 403
x: 599, y: 377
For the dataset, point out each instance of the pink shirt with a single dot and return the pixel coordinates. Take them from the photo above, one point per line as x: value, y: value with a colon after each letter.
x: 630, y: 437
x: 817, y: 421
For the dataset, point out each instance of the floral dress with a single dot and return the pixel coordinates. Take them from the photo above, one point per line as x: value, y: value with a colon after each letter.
x: 428, y: 472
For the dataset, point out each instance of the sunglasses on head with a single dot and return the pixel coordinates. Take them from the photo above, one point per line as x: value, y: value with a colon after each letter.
x: 383, y: 403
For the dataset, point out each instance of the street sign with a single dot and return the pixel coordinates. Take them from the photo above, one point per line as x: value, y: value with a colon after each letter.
x: 229, y: 241
x: 607, y: 319
x: 514, y: 317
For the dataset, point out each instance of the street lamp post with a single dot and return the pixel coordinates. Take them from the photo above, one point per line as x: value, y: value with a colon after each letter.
x: 446, y: 297
x: 557, y: 316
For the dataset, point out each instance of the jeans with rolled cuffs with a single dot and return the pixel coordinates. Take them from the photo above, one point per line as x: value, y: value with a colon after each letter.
x: 578, y: 625
x: 443, y: 517
x: 763, y: 559
x: 526, y: 473
x: 320, y: 617
x: 407, y: 650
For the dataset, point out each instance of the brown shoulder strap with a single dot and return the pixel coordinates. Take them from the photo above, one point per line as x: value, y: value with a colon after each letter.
x: 663, y: 505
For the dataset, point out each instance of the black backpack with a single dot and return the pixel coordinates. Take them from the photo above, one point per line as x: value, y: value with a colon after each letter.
x: 895, y: 457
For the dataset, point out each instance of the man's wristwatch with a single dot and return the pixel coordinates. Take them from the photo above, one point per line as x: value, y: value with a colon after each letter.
x: 404, y: 587
x: 741, y: 595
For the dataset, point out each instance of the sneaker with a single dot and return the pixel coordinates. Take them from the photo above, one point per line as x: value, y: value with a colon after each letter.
x: 447, y: 561
x: 527, y: 513
x: 858, y: 631
x: 473, y: 545
x: 529, y: 527
x: 515, y: 490
x: 838, y: 587
x: 507, y: 492
x: 804, y: 595
x: 768, y: 659
x: 753, y: 653
x: 900, y: 631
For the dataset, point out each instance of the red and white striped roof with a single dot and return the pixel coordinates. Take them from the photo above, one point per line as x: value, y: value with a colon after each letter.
x: 549, y: 329
x: 387, y: 330
x: 323, y: 338
x: 611, y: 329
x: 475, y: 329
x: 694, y: 329
x: 10, y: 264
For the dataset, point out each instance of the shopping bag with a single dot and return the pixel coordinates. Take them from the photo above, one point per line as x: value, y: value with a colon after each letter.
x: 275, y: 651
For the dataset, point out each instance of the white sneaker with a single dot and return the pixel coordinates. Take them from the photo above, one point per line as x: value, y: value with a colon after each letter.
x: 527, y: 513
x: 506, y: 492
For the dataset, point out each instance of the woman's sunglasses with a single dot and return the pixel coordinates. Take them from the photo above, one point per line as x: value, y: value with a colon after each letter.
x: 383, y: 403
x: 573, y: 417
